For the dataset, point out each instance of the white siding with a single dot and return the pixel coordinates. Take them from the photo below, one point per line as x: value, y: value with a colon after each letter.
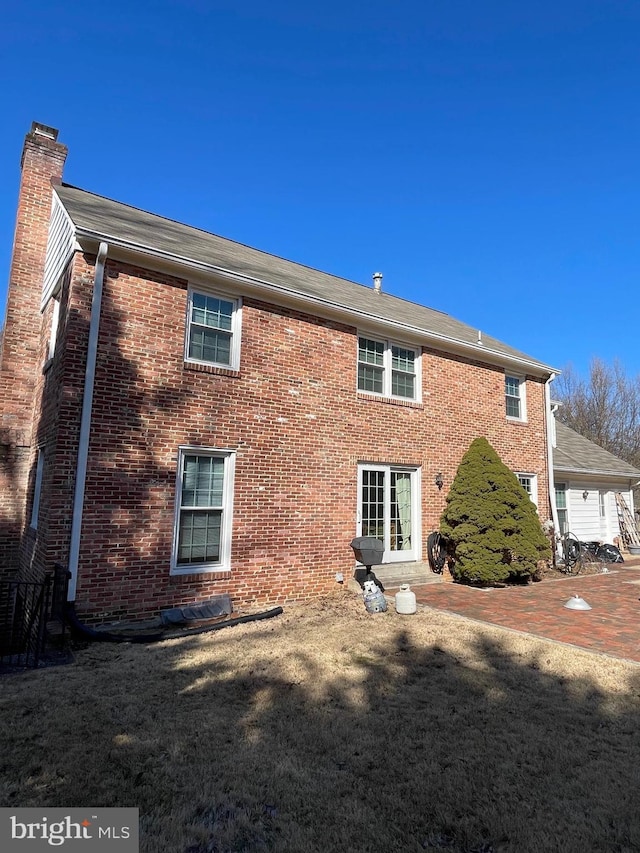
x: 584, y: 517
x: 61, y: 244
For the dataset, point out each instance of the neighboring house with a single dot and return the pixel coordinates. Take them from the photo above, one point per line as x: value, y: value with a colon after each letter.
x: 183, y: 416
x: 587, y: 479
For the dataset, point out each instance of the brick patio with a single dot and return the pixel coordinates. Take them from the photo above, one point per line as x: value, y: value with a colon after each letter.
x: 611, y: 627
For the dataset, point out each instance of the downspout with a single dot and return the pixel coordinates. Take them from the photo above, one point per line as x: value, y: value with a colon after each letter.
x: 550, y: 438
x: 85, y: 421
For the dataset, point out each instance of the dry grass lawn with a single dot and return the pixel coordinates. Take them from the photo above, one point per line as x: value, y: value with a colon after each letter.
x: 329, y: 729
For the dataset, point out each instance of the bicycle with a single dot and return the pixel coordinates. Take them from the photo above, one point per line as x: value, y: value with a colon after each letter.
x: 579, y: 555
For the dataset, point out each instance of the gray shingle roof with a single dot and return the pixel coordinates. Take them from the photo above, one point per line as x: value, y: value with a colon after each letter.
x: 113, y: 221
x: 576, y: 453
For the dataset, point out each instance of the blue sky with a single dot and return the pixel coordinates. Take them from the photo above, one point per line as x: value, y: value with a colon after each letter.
x: 482, y: 154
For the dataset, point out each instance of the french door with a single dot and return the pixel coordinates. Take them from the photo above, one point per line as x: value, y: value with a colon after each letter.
x: 388, y: 509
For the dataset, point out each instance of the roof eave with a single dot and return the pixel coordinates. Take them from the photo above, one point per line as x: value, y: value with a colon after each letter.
x: 599, y: 472
x: 476, y: 351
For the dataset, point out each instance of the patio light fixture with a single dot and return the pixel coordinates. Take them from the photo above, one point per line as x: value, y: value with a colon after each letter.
x: 439, y: 480
x: 585, y: 495
x: 577, y: 603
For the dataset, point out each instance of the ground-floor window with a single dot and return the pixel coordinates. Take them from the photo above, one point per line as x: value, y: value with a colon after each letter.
x: 37, y: 488
x: 202, y: 537
x: 606, y: 525
x: 529, y: 483
x: 602, y: 504
x: 388, y: 509
x: 561, y: 507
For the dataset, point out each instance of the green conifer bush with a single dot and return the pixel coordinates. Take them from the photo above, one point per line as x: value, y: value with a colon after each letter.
x: 490, y: 521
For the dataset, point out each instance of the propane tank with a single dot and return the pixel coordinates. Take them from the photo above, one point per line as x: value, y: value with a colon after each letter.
x: 405, y: 600
x: 374, y: 600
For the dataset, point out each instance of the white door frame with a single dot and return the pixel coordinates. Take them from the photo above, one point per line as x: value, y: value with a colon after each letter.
x: 390, y: 555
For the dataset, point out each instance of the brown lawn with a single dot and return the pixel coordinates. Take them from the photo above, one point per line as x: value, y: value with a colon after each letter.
x: 329, y: 729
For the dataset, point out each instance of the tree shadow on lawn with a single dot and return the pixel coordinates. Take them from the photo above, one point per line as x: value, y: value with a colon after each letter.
x: 226, y: 744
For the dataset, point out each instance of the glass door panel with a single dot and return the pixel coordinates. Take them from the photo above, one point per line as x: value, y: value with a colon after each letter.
x: 387, y: 506
x: 400, y: 522
x: 372, y: 512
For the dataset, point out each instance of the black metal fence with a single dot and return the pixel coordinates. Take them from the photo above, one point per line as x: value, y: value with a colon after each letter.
x: 26, y: 609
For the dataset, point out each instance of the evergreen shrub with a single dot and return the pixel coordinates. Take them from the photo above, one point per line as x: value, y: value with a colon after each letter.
x: 491, y: 523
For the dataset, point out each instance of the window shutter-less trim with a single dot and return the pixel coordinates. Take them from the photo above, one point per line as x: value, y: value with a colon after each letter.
x: 204, y: 498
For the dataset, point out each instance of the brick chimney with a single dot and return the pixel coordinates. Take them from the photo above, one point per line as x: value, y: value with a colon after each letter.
x: 42, y: 162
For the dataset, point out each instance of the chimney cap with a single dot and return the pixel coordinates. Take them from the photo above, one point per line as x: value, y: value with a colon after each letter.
x: 377, y: 281
x: 39, y: 129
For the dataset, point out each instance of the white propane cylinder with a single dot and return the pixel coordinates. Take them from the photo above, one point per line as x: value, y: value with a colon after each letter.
x: 405, y: 600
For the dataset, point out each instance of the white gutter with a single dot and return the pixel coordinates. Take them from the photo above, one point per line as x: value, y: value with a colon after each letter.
x: 478, y: 350
x: 599, y: 472
x: 85, y: 421
x: 550, y: 438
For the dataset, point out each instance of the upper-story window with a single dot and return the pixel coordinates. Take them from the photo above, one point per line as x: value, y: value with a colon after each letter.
x: 515, y: 397
x: 213, y: 330
x: 51, y: 315
x: 55, y: 322
x: 387, y: 369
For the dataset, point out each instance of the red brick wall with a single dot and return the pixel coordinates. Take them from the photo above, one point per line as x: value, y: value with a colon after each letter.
x: 295, y: 420
x: 42, y: 160
x: 291, y: 414
x: 58, y: 401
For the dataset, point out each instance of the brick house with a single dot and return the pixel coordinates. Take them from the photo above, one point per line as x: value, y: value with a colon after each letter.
x: 184, y: 416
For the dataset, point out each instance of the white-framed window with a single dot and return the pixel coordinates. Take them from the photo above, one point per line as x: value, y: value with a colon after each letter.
x: 515, y: 397
x: 561, y: 507
x: 388, y: 369
x: 53, y: 331
x: 602, y: 504
x: 213, y: 329
x: 529, y: 483
x: 37, y: 488
x: 204, y: 507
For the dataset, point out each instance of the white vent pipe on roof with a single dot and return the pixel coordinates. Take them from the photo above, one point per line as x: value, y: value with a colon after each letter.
x: 377, y: 282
